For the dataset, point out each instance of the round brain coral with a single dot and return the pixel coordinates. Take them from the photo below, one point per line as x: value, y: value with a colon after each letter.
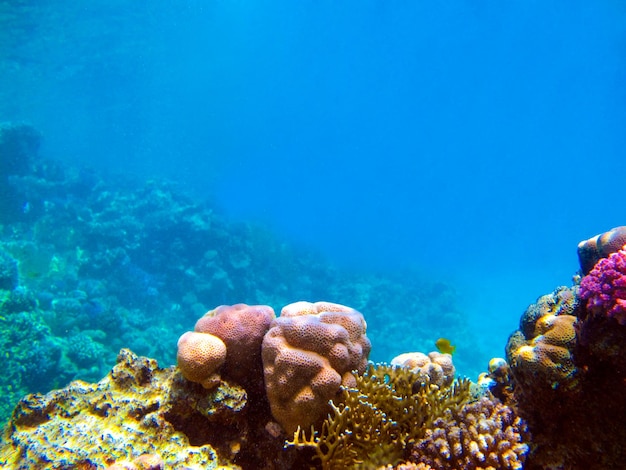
x: 309, y: 352
x: 200, y: 356
x: 436, y: 367
x: 241, y: 327
x: 604, y: 288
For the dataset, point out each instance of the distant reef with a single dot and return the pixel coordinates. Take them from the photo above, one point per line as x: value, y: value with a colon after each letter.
x: 91, y: 264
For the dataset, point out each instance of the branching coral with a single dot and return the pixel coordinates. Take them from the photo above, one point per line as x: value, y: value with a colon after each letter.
x: 481, y: 435
x: 373, y: 423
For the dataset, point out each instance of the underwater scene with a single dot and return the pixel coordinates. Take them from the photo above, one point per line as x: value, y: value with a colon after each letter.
x: 312, y: 235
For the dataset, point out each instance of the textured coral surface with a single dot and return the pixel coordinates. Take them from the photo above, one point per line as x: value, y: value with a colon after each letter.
x: 121, y: 417
x: 481, y: 435
x: 435, y: 367
x: 241, y: 327
x: 309, y: 352
x: 200, y: 356
x: 604, y: 288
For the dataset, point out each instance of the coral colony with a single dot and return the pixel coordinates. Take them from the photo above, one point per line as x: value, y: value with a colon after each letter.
x: 255, y: 390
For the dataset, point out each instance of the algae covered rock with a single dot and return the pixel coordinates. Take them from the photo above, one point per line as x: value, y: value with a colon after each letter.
x: 137, y: 409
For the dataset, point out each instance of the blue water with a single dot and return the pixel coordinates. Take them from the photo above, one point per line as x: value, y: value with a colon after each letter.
x: 476, y: 143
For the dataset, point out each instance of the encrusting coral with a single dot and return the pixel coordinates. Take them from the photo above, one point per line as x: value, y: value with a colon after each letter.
x: 120, y: 418
x: 310, y: 351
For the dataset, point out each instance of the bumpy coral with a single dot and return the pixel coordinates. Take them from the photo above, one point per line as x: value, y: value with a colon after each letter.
x: 309, y: 352
x: 604, y: 288
x: 120, y: 418
x: 436, y: 368
x: 200, y: 356
x: 541, y: 352
x: 481, y: 435
x: 562, y: 301
x: 241, y: 327
x: 546, y: 360
x: 601, y: 246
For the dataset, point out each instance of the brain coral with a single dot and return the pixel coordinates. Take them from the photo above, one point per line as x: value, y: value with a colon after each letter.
x: 604, y: 288
x: 308, y: 353
x: 482, y: 435
x: 241, y: 327
x: 601, y: 246
x: 436, y: 367
x: 200, y: 355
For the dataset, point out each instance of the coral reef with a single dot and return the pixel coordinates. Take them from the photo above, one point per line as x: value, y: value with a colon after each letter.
x: 140, y: 414
x: 436, y: 368
x: 309, y: 352
x: 568, y: 366
x: 392, y: 415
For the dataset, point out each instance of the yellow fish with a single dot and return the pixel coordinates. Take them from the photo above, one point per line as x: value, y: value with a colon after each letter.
x: 444, y: 346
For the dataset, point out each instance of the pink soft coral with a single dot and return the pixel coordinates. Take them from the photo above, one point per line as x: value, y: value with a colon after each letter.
x: 604, y: 288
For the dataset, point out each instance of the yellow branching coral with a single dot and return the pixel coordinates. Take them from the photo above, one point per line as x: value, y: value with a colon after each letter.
x: 374, y: 422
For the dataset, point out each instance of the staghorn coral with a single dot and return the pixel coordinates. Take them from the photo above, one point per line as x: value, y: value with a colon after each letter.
x: 436, y: 368
x: 309, y: 352
x: 601, y: 246
x: 481, y: 435
x: 373, y: 422
x: 241, y: 327
x: 200, y: 356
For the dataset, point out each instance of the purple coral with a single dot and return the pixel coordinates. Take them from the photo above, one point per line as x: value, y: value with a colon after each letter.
x: 604, y: 288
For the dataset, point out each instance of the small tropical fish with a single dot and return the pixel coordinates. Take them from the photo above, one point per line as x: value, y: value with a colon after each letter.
x: 444, y: 346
